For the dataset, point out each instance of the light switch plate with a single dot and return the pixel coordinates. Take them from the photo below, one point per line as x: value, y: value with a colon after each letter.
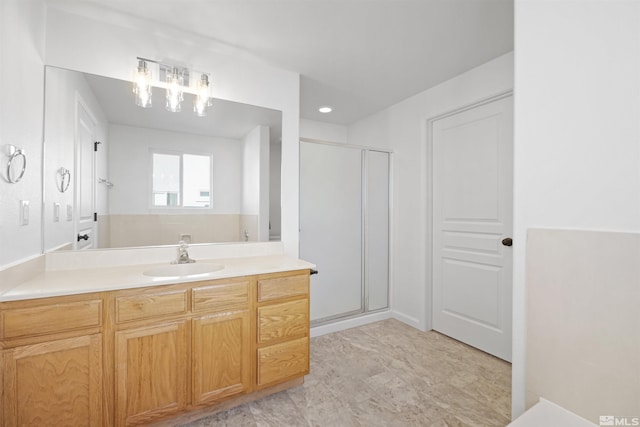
x: 69, y: 213
x: 24, y: 212
x: 56, y: 212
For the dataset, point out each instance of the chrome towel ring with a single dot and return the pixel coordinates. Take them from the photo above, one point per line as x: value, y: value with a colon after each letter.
x: 14, y: 155
x: 63, y: 179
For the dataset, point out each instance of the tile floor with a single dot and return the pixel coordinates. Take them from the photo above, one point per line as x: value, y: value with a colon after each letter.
x: 386, y: 374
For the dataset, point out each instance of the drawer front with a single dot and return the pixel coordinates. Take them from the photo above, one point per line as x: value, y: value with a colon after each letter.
x: 282, y: 362
x: 220, y: 297
x: 283, y: 287
x: 50, y: 319
x: 283, y: 320
x: 148, y: 306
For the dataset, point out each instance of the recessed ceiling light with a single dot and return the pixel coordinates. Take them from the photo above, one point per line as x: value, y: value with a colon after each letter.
x: 325, y: 109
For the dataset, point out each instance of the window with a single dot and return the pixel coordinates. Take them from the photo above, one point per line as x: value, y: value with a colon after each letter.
x: 181, y: 180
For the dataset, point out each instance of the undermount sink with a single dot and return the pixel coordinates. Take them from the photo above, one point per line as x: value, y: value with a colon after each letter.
x: 183, y: 270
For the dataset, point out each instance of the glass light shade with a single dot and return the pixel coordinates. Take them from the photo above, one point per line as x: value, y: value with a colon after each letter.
x: 203, y: 97
x: 174, y: 91
x: 142, y: 85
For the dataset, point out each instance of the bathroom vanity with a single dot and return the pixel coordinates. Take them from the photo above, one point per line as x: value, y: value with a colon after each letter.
x: 152, y: 350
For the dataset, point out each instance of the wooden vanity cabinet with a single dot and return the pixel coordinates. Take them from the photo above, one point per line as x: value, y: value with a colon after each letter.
x: 283, y: 328
x: 52, y: 361
x: 138, y: 356
x: 180, y: 347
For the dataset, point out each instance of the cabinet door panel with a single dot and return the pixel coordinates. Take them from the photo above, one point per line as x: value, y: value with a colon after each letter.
x: 220, y: 297
x: 281, y: 362
x: 283, y: 287
x: 50, y: 318
x: 221, y: 356
x: 54, y: 383
x: 151, y: 364
x: 149, y: 305
x: 289, y: 319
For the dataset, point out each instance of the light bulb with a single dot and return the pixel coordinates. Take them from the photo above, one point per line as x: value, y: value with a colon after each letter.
x: 174, y: 91
x: 203, y: 98
x: 142, y: 85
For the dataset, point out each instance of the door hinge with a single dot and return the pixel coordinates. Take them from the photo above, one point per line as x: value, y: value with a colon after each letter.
x: 95, y: 145
x: 95, y: 216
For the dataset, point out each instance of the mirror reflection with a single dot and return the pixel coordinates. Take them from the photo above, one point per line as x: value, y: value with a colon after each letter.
x: 148, y: 176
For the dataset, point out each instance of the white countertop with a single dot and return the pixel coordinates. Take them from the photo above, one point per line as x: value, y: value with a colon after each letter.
x: 87, y: 280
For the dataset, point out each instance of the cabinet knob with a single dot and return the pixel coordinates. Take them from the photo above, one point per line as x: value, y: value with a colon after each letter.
x: 508, y: 241
x: 83, y: 237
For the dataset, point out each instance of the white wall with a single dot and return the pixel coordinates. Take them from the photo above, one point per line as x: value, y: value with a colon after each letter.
x: 130, y: 168
x: 72, y: 41
x: 255, y: 179
x: 275, y: 159
x: 62, y: 88
x: 21, y: 85
x: 330, y: 132
x: 402, y: 128
x: 577, y: 104
x: 583, y: 340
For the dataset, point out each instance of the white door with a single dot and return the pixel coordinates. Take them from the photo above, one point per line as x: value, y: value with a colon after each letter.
x: 331, y: 227
x: 472, y: 214
x: 85, y: 226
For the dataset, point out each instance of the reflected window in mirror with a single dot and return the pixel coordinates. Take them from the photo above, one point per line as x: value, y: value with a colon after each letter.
x: 181, y: 180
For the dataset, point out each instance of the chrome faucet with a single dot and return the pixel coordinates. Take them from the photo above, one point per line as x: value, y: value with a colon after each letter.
x: 183, y: 254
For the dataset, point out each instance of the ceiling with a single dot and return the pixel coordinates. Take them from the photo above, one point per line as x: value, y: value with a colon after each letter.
x: 359, y: 56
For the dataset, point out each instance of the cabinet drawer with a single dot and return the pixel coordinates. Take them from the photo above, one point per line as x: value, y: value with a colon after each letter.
x: 137, y: 307
x: 220, y: 297
x: 283, y: 320
x: 282, y: 287
x: 284, y: 361
x: 53, y: 318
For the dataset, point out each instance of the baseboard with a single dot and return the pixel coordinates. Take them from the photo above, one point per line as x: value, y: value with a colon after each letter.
x: 409, y: 320
x: 341, y: 325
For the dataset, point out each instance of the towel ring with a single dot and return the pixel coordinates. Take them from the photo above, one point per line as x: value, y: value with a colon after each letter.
x: 15, y: 153
x: 64, y: 181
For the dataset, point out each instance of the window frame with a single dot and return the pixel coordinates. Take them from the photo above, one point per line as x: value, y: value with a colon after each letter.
x: 180, y: 154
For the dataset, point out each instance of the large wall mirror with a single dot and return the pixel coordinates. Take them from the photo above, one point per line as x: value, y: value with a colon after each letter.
x: 117, y: 175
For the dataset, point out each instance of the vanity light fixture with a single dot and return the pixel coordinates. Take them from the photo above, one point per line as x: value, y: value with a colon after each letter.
x: 142, y: 85
x: 175, y: 82
x: 325, y: 109
x: 203, y: 96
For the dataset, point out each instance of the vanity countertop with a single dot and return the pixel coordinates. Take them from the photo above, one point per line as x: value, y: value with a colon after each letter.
x: 87, y: 280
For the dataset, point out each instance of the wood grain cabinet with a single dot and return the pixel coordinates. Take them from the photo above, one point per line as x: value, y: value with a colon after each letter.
x: 221, y: 356
x: 283, y: 328
x: 52, y: 362
x: 151, y: 370
x: 221, y: 336
x: 137, y: 356
x: 206, y: 345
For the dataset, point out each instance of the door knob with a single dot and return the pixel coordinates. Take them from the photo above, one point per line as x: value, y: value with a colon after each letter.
x: 83, y: 237
x: 508, y: 241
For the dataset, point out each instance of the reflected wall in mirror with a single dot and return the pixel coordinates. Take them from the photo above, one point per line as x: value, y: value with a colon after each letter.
x: 147, y: 176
